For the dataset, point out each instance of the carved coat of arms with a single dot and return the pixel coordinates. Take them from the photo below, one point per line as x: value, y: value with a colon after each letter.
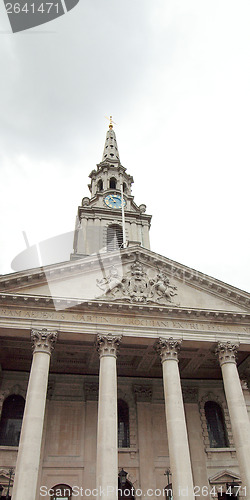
x: 136, y: 286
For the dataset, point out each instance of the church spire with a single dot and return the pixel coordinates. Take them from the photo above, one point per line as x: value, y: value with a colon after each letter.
x: 110, y: 214
x: 111, y: 153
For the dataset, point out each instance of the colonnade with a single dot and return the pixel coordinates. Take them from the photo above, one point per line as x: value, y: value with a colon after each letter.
x: 28, y: 460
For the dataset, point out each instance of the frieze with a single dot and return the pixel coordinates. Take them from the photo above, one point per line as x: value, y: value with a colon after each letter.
x: 143, y: 393
x: 113, y: 319
x: 190, y: 394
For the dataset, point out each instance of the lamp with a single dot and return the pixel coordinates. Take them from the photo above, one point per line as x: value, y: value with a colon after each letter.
x: 168, y: 473
x: 168, y: 488
x: 123, y: 477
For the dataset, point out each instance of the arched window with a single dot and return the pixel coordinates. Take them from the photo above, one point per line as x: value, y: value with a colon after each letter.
x: 123, y: 424
x: 61, y: 492
x: 124, y: 187
x: 100, y: 185
x: 112, y: 183
x: 11, y: 420
x: 114, y: 237
x: 216, y: 425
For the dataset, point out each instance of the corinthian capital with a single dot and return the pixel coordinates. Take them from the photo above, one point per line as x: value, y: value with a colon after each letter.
x: 43, y: 340
x: 107, y: 345
x: 226, y: 352
x: 168, y: 348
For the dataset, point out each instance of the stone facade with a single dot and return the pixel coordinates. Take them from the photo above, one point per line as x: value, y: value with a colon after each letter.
x: 127, y: 327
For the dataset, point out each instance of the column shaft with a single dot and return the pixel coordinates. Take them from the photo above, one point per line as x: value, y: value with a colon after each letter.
x: 107, y: 447
x: 237, y: 410
x: 196, y: 446
x: 28, y: 458
x: 146, y: 452
x: 179, y: 454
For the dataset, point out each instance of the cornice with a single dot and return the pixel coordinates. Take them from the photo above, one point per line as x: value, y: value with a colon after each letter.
x: 175, y: 270
x: 195, y: 278
x: 94, y: 211
x: 40, y: 301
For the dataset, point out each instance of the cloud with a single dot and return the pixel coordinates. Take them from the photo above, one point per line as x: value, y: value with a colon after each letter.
x: 175, y: 76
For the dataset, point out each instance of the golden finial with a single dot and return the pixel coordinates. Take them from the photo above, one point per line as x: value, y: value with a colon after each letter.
x: 111, y: 122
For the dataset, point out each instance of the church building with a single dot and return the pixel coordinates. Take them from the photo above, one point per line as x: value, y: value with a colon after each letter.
x: 124, y: 374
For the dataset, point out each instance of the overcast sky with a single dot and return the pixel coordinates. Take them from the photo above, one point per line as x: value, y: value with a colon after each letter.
x: 175, y: 75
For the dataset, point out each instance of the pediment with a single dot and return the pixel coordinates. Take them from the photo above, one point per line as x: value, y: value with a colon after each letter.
x: 131, y: 276
x: 223, y: 477
x: 6, y: 480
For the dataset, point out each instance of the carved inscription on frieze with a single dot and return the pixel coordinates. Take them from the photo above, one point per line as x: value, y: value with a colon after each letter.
x: 23, y: 314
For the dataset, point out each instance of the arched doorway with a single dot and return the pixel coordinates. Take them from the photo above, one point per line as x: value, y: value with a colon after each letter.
x: 61, y: 492
x: 227, y: 496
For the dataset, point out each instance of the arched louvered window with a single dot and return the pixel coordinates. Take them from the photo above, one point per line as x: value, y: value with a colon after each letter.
x: 61, y: 492
x: 112, y: 183
x: 123, y: 424
x: 216, y: 425
x: 11, y: 420
x: 114, y: 237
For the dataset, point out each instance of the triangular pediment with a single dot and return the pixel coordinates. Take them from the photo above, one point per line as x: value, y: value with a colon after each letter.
x: 6, y: 479
x: 223, y: 477
x: 131, y: 276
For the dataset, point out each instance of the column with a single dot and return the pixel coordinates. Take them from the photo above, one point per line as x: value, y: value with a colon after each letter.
x: 28, y: 458
x: 179, y: 454
x: 226, y: 352
x: 107, y: 447
x: 90, y: 441
x: 195, y: 439
x: 143, y: 397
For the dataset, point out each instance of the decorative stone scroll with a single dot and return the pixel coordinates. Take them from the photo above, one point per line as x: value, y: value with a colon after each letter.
x: 7, y: 478
x: 43, y: 340
x: 190, y: 394
x: 226, y: 352
x: 143, y: 393
x: 107, y: 345
x: 136, y: 286
x: 168, y: 348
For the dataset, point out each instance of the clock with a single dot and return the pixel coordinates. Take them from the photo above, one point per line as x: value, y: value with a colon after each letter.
x: 114, y: 201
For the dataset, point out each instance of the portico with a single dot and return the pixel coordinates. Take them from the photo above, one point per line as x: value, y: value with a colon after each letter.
x: 136, y: 355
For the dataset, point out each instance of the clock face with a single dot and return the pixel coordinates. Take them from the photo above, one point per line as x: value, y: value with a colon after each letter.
x: 114, y: 201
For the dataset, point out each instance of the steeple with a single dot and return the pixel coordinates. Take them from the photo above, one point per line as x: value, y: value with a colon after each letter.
x: 110, y: 216
x: 110, y: 152
x: 110, y: 173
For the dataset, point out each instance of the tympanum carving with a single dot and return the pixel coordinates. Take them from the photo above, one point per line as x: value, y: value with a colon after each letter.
x: 137, y: 286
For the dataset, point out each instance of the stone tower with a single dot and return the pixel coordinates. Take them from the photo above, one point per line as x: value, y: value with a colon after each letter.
x: 99, y: 222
